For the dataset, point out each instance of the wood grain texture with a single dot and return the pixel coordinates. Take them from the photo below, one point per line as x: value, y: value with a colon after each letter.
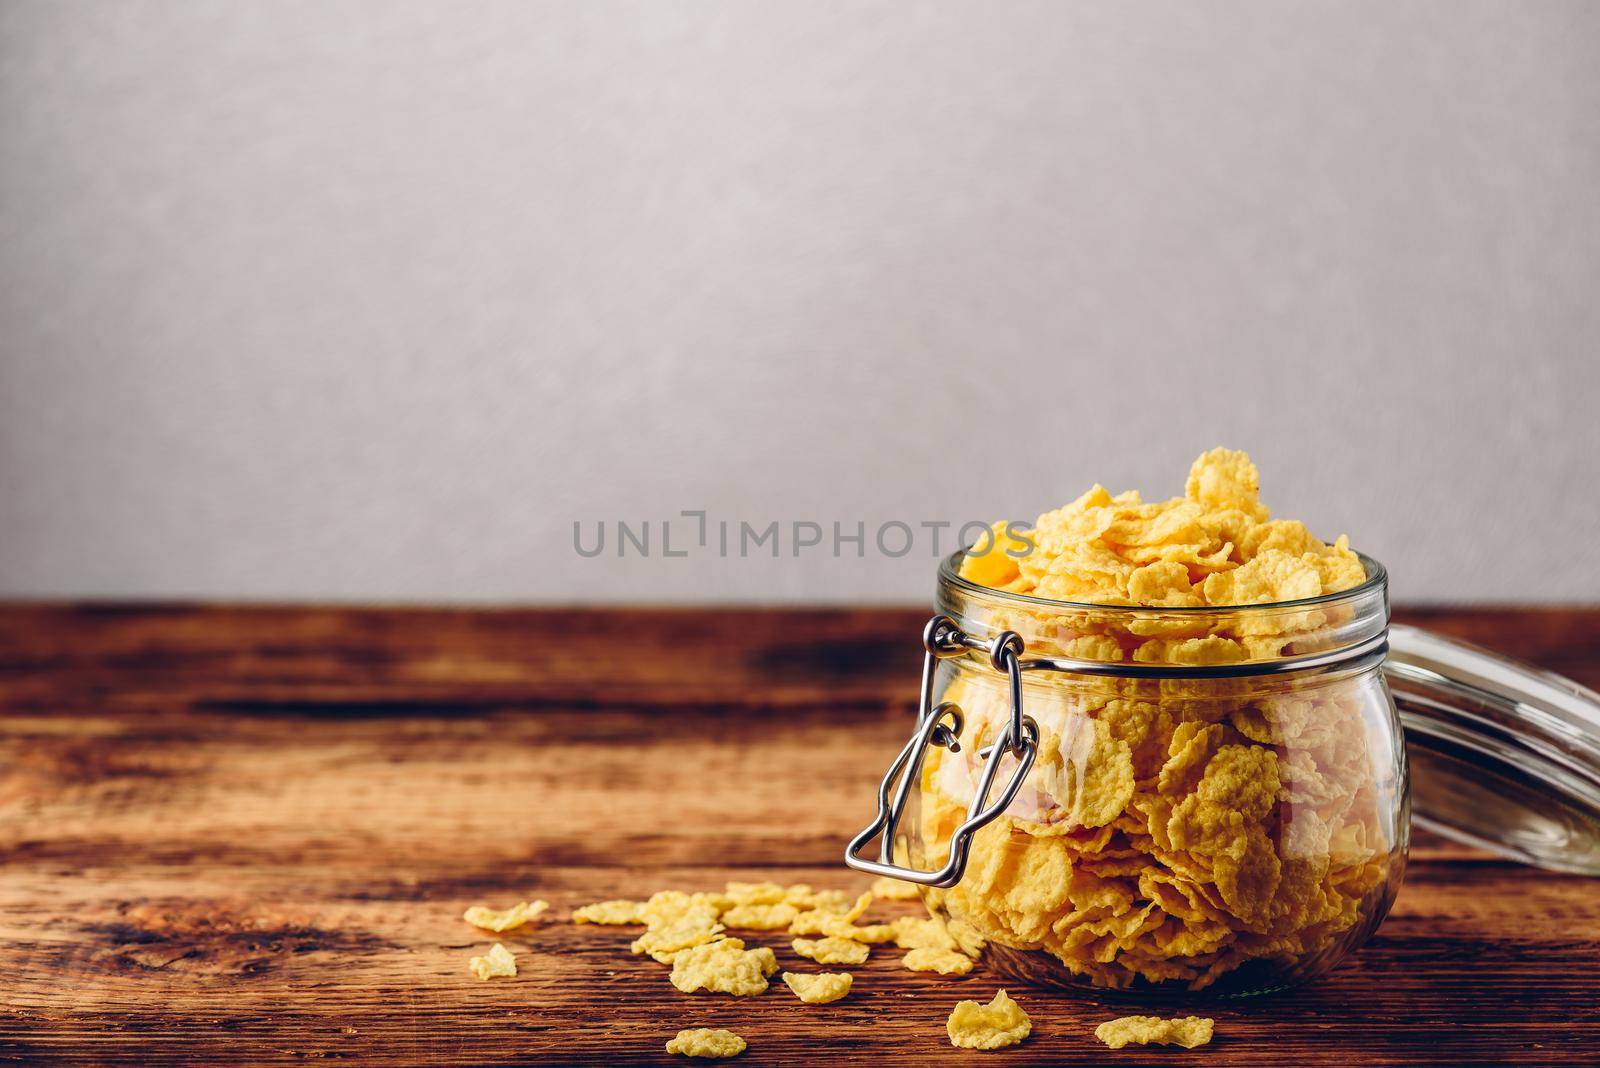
x: 246, y: 836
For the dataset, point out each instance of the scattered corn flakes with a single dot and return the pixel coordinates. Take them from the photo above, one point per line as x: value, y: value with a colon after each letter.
x: 504, y: 919
x: 496, y: 964
x: 1185, y: 1031
x: 895, y: 889
x: 993, y: 1026
x: 831, y: 950
x: 712, y: 1043
x: 723, y: 967
x: 943, y: 961
x: 818, y: 989
x: 616, y: 912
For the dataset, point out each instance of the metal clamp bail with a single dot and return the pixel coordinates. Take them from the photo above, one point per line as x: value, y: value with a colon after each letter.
x: 942, y: 639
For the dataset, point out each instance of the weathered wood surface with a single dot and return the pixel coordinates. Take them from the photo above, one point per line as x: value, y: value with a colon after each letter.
x: 245, y: 836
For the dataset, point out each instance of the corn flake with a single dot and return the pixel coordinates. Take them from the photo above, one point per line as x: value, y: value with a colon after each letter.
x: 835, y: 925
x: 808, y: 900
x: 831, y: 950
x: 757, y: 893
x: 712, y: 1043
x: 912, y: 932
x: 895, y: 890
x: 993, y: 1026
x: 1272, y: 576
x: 996, y: 566
x: 1092, y: 774
x: 723, y: 967
x: 943, y: 961
x: 820, y: 988
x: 504, y: 919
x: 1226, y: 479
x: 691, y: 929
x: 1185, y: 1031
x: 616, y: 912
x: 1164, y: 583
x: 776, y: 917
x: 497, y: 963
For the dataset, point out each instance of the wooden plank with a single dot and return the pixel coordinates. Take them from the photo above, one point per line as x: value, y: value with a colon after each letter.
x: 245, y: 836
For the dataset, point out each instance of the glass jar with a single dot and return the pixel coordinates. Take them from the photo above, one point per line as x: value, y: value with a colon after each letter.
x: 1170, y: 800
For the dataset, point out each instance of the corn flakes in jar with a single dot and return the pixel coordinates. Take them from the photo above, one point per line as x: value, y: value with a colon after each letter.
x: 1155, y: 750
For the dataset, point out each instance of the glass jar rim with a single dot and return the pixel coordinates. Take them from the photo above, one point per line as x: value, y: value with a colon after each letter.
x: 950, y: 575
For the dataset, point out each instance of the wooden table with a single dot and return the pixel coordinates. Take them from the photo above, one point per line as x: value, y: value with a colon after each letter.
x: 246, y: 836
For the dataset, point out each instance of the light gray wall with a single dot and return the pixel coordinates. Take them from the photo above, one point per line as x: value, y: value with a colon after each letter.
x: 374, y: 300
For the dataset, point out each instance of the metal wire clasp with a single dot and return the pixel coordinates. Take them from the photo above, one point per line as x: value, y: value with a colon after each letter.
x: 942, y: 639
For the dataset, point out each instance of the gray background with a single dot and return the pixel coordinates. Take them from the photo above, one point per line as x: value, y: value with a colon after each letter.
x: 374, y: 300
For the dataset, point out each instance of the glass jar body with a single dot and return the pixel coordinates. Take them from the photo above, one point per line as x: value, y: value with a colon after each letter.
x: 1216, y: 835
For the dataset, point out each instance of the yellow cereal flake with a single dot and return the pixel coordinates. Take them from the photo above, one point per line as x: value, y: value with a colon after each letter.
x: 616, y: 912
x: 820, y: 988
x: 756, y: 893
x: 807, y: 900
x: 715, y: 900
x: 1101, y: 647
x: 723, y: 967
x: 895, y: 890
x: 1271, y: 576
x: 912, y: 932
x: 968, y: 939
x: 870, y: 933
x: 671, y: 906
x: 1164, y: 583
x: 863, y: 903
x: 937, y: 935
x: 1226, y: 479
x: 943, y: 961
x: 831, y: 950
x: 497, y: 963
x: 1185, y: 1031
x: 766, y: 960
x: 993, y: 1026
x: 816, y: 922
x: 836, y: 925
x: 504, y: 919
x: 1336, y: 565
x: 997, y: 564
x: 1092, y: 774
x: 688, y: 930
x: 712, y: 1043
x: 776, y: 917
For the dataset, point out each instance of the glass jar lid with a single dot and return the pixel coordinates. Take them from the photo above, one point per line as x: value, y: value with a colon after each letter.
x: 1503, y: 756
